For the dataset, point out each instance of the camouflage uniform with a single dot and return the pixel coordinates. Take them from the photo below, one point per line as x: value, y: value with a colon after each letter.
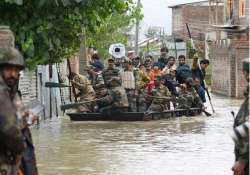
x: 12, y: 139
x: 108, y: 73
x: 242, y: 147
x: 11, y: 144
x: 116, y: 100
x: 159, y: 103
x: 86, y: 92
x: 189, y: 98
x: 241, y: 121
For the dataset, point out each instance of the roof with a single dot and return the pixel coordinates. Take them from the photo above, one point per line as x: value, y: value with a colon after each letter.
x: 198, y: 3
x: 228, y: 27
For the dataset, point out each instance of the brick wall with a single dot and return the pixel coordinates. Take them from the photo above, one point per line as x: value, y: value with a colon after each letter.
x: 197, y: 18
x: 227, y: 77
x: 28, y: 86
x: 220, y: 72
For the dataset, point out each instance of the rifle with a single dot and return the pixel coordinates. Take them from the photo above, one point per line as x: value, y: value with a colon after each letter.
x: 164, y: 98
x: 204, y: 81
x: 73, y: 88
x: 55, y: 85
x: 74, y: 105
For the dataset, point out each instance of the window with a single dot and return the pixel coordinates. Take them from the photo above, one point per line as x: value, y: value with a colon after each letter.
x: 230, y: 9
x: 242, y: 6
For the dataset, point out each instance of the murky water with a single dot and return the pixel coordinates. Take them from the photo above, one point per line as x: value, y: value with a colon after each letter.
x: 190, y: 146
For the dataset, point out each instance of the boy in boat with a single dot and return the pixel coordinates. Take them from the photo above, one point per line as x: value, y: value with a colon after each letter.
x: 188, y: 97
x: 160, y: 96
x: 129, y: 82
x: 116, y: 100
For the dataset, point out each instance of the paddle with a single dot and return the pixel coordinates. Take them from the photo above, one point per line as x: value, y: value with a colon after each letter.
x: 206, y: 113
x: 193, y: 46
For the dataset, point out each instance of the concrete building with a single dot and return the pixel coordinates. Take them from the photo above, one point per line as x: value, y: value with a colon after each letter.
x: 229, y: 45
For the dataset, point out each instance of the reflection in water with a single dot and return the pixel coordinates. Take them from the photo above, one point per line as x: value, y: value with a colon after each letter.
x: 195, y: 145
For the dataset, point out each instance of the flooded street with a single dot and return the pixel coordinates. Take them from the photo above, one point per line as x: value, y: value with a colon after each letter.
x: 195, y: 145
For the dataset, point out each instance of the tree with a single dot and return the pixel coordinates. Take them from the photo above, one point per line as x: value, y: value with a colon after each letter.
x: 47, y: 31
x: 115, y: 29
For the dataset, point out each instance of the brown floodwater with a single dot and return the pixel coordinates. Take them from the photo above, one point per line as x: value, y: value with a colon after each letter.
x: 187, y: 145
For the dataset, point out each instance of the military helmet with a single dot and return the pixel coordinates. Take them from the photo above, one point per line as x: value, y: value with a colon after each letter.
x: 189, y: 81
x: 157, y: 78
x: 99, y: 86
x: 11, y: 56
x: 127, y: 60
x: 245, y: 65
x: 115, y: 79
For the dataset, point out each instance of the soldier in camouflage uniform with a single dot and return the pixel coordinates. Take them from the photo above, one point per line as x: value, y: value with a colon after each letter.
x: 16, y: 145
x: 110, y: 72
x: 86, y: 92
x: 188, y: 97
x: 116, y: 99
x: 160, y: 96
x: 241, y: 166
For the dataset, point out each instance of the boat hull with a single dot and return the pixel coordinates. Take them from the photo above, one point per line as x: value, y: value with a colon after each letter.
x: 134, y: 116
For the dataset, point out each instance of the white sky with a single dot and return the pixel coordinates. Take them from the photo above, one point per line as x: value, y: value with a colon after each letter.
x: 157, y: 13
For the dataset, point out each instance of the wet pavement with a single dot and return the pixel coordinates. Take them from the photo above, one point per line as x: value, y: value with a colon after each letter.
x: 187, y: 145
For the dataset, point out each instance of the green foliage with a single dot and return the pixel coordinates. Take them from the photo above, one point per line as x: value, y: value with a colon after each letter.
x: 46, y: 31
x: 191, y: 52
x: 115, y: 29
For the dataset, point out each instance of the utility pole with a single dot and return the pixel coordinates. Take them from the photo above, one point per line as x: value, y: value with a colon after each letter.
x: 137, y: 31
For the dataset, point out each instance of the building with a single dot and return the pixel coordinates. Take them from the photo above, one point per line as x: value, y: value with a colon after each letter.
x: 229, y: 45
x: 197, y: 16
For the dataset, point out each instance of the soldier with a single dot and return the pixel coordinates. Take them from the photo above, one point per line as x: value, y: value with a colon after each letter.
x: 116, y: 100
x: 160, y: 96
x: 241, y: 166
x: 86, y: 91
x: 110, y: 72
x: 17, y: 141
x: 188, y: 97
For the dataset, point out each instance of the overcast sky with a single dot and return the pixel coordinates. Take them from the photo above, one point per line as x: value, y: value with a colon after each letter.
x: 157, y: 13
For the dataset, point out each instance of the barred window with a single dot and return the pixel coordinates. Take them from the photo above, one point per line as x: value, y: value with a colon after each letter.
x: 229, y: 8
x: 242, y: 6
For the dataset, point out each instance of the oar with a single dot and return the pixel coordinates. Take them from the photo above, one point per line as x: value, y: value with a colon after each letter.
x: 206, y: 113
x: 209, y: 98
x: 55, y: 85
x: 193, y: 47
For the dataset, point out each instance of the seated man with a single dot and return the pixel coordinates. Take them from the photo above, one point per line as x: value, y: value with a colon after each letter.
x: 86, y: 91
x: 116, y: 100
x: 160, y: 96
x: 188, y: 97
